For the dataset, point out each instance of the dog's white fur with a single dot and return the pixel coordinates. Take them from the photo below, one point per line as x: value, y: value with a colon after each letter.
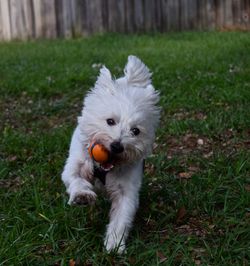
x: 131, y: 101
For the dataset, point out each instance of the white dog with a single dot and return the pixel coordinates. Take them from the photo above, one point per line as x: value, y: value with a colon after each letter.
x: 122, y: 115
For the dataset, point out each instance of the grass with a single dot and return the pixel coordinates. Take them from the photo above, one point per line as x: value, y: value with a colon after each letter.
x: 195, y: 202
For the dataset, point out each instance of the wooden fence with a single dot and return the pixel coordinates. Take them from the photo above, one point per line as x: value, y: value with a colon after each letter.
x: 27, y: 19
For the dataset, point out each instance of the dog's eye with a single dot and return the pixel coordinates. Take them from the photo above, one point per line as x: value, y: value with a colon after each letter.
x: 110, y: 122
x: 136, y: 131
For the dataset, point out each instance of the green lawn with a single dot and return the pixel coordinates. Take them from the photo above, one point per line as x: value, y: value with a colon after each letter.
x: 195, y: 199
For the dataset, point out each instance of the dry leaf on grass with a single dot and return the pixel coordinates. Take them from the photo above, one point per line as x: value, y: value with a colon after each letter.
x: 197, y: 262
x: 161, y: 256
x: 247, y: 187
x: 185, y: 175
x: 72, y: 262
x: 181, y: 215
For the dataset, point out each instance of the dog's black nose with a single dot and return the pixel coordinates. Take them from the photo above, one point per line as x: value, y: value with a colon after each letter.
x: 116, y: 147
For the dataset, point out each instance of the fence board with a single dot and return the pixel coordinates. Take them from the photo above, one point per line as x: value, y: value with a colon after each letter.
x: 168, y: 15
x: 112, y: 16
x: 121, y: 15
x: 24, y: 19
x: 158, y: 15
x: 104, y: 6
x: 6, y: 20
x: 18, y: 19
x: 117, y: 15
x: 14, y: 19
x: 149, y: 15
x: 95, y: 16
x: 79, y: 17
x: 49, y: 18
x: 203, y: 14
x: 246, y: 14
x: 192, y: 14
x: 129, y: 16
x: 211, y: 16
x: 164, y: 15
x: 38, y: 18
x: 183, y: 14
x: 228, y: 14
x: 59, y: 18
x: 219, y: 13
x: 173, y: 20
x: 28, y: 18
x: 67, y: 24
x: 138, y: 14
x: 236, y: 6
x: 1, y: 24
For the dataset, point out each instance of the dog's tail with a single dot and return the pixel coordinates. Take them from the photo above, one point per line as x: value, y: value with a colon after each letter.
x: 136, y: 73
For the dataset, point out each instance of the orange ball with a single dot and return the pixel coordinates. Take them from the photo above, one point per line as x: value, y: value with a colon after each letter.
x: 99, y: 153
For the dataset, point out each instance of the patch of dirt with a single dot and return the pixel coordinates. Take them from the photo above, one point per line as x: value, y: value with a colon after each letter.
x: 183, y: 114
x: 45, y: 249
x: 24, y: 112
x: 230, y: 141
x: 12, y: 184
x: 192, y: 229
x: 194, y: 144
x: 196, y: 226
x: 188, y: 144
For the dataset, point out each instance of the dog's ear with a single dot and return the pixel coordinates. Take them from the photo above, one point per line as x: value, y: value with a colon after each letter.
x: 104, y: 80
x: 136, y: 73
x: 153, y: 95
x: 150, y: 102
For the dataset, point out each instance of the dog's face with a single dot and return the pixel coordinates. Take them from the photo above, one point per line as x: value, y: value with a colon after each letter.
x: 122, y: 114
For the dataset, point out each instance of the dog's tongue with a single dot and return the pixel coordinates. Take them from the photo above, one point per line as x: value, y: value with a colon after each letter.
x: 107, y: 166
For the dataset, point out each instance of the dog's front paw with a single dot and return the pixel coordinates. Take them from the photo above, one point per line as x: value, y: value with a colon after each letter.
x: 83, y: 198
x: 112, y: 245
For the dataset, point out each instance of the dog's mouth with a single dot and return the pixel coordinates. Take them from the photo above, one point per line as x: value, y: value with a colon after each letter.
x: 108, y: 166
x: 113, y: 160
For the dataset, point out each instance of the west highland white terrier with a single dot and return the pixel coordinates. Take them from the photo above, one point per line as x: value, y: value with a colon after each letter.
x: 121, y: 115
